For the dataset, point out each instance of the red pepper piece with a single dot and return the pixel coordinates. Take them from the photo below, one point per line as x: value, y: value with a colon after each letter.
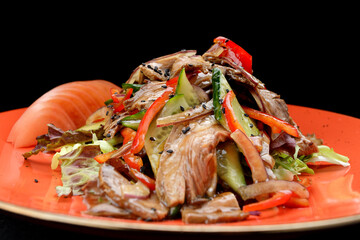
x: 275, y: 123
x: 235, y: 54
x: 115, y: 94
x: 295, y: 202
x: 133, y: 161
x: 147, y: 181
x: 120, y: 106
x: 104, y: 157
x: 277, y: 199
x: 128, y: 134
x: 232, y: 122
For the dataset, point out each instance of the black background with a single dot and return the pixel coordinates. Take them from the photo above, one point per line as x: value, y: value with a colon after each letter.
x: 307, y: 54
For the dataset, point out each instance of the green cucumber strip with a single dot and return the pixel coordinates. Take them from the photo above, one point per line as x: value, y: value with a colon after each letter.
x: 155, y: 137
x: 133, y: 121
x: 220, y: 88
x: 184, y: 87
x: 136, y: 87
x: 228, y: 165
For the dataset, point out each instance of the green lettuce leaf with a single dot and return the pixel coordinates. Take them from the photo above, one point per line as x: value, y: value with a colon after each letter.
x: 327, y: 154
x: 77, y: 168
x: 291, y: 163
x: 56, y: 138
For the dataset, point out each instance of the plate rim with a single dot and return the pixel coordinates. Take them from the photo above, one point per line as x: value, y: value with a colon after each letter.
x: 118, y: 225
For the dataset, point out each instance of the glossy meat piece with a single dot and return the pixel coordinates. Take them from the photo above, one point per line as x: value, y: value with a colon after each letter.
x: 115, y: 185
x: 145, y: 96
x: 187, y: 167
x: 222, y: 208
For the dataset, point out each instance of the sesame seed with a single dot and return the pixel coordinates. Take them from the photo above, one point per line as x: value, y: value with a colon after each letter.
x: 182, y: 108
x: 170, y: 151
x: 152, y: 139
x: 185, y: 130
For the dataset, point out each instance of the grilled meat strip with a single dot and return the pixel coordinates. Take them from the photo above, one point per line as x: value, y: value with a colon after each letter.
x: 187, y: 167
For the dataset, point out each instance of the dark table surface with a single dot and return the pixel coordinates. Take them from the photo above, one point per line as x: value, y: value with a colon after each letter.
x: 312, y: 63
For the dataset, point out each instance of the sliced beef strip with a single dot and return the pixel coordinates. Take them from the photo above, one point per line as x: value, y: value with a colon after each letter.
x: 145, y: 96
x: 222, y: 208
x: 99, y: 205
x: 148, y: 209
x: 158, y: 68
x: 187, y: 167
x: 190, y: 63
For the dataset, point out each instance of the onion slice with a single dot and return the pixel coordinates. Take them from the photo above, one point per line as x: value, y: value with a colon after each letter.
x: 188, y: 115
x: 271, y: 186
x: 252, y: 156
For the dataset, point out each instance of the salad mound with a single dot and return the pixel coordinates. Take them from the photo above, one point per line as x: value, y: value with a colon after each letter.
x: 189, y: 136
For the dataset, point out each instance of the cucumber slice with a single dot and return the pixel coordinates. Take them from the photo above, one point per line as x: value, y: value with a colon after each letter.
x: 133, y: 121
x: 220, y: 89
x: 155, y: 137
x: 228, y: 165
x: 184, y: 87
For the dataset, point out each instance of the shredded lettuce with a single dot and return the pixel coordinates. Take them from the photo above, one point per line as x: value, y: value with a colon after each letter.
x: 328, y: 155
x: 77, y: 168
x: 291, y: 163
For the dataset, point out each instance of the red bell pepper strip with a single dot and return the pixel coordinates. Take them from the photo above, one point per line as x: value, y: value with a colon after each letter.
x: 235, y: 54
x: 104, y: 157
x: 153, y: 110
x: 296, y: 202
x: 232, y: 122
x: 115, y: 94
x: 147, y: 181
x: 120, y: 105
x: 128, y: 134
x: 133, y: 161
x: 277, y: 199
x: 275, y: 123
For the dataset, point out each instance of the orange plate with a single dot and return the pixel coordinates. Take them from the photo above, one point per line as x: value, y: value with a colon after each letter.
x: 334, y: 200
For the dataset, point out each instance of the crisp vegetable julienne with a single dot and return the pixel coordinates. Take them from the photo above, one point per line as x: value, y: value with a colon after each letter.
x: 184, y: 134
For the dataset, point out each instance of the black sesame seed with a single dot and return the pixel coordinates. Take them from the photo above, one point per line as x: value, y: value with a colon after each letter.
x: 182, y: 108
x: 142, y: 169
x: 223, y: 110
x: 142, y: 101
x: 161, y: 152
x: 36, y: 181
x: 246, y: 115
x: 149, y: 66
x: 227, y: 90
x: 152, y: 139
x: 221, y: 101
x: 108, y: 135
x: 171, y: 96
x: 204, y: 106
x: 163, y: 86
x: 169, y: 151
x: 143, y: 64
x: 251, y: 125
x: 185, y: 130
